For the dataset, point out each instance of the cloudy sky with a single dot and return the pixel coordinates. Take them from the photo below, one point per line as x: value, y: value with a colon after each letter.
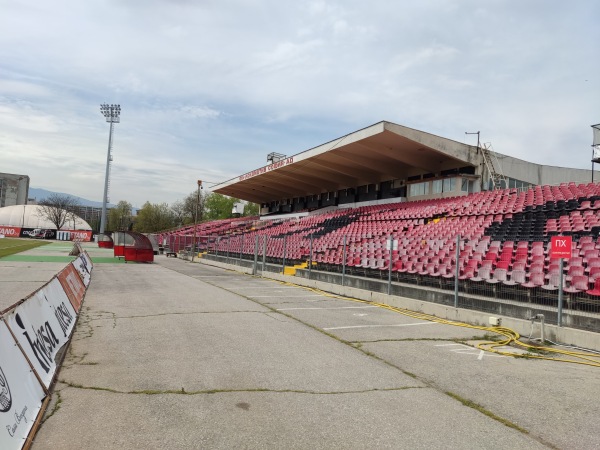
x: 209, y: 87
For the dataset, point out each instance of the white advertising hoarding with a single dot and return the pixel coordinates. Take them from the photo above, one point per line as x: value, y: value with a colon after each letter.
x: 83, y: 265
x: 21, y: 394
x: 42, y: 325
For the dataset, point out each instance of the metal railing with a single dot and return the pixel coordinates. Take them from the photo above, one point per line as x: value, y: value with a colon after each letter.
x: 418, y: 267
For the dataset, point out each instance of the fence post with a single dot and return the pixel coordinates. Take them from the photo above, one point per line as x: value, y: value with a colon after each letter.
x: 560, y: 293
x: 264, y: 255
x: 241, y: 247
x: 217, y: 245
x: 228, y: 247
x: 456, y: 272
x: 284, y: 254
x: 310, y: 256
x: 254, y: 267
x: 193, y: 247
x: 344, y: 262
x: 391, y: 246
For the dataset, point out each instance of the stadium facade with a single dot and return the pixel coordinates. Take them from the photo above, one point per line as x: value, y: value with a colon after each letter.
x: 385, y: 163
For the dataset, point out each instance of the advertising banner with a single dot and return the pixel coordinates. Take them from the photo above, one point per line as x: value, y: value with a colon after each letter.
x: 83, y: 265
x: 80, y: 235
x: 10, y: 231
x: 42, y: 324
x: 88, y: 260
x: 37, y: 233
x: 21, y: 394
x: 72, y: 285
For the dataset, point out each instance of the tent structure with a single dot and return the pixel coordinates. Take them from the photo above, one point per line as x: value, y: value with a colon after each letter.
x: 30, y: 216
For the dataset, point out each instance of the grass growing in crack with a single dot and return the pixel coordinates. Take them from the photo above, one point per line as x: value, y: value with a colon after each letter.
x: 374, y: 341
x: 410, y: 374
x: 225, y: 391
x: 486, y: 337
x: 490, y: 337
x: 486, y: 412
x: 56, y: 407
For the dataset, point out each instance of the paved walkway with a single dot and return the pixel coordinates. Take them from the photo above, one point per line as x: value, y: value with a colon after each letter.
x: 183, y: 355
x: 23, y: 273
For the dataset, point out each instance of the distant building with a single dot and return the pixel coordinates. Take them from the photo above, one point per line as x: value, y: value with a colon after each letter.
x: 90, y: 214
x: 14, y: 189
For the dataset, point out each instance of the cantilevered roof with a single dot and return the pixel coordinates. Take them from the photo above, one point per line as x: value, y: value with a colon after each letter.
x: 381, y: 152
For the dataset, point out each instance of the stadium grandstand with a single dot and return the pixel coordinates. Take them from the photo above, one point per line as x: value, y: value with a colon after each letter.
x: 392, y: 203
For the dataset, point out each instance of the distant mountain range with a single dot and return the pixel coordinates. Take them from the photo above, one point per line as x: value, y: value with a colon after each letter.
x: 42, y: 194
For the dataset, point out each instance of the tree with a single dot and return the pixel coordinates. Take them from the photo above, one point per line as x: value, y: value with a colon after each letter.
x: 211, y: 206
x: 251, y: 209
x: 218, y: 206
x: 58, y: 209
x: 119, y: 217
x: 192, y: 202
x: 154, y: 217
x: 178, y: 209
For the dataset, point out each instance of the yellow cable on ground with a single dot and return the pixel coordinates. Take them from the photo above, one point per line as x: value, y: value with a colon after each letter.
x: 512, y: 337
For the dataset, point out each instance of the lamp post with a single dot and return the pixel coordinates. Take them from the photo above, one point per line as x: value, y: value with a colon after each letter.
x: 113, y: 115
x: 194, y: 250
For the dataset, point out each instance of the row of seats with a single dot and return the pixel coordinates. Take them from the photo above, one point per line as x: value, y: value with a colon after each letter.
x: 503, y: 238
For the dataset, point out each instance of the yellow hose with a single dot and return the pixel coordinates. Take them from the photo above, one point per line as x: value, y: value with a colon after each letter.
x: 585, y: 358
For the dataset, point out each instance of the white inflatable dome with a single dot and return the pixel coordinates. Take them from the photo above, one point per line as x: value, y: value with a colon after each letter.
x: 28, y: 216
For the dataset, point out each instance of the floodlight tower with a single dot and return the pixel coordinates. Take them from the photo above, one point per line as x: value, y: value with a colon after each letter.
x: 113, y: 115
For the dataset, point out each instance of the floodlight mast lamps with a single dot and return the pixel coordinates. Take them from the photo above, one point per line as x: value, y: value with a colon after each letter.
x: 113, y: 115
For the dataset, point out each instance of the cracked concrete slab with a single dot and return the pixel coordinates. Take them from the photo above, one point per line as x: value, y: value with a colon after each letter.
x: 405, y: 419
x: 556, y: 400
x: 231, y: 350
x: 172, y: 355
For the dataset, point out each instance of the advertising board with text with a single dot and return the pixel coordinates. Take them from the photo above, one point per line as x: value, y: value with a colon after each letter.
x: 42, y: 324
x: 72, y: 285
x: 21, y: 394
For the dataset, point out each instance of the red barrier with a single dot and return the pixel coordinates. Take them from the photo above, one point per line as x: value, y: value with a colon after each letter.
x: 133, y: 246
x: 119, y: 244
x: 105, y: 241
x: 138, y: 254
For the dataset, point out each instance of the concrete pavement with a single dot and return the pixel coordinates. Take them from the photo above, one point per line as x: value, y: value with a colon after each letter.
x: 184, y: 355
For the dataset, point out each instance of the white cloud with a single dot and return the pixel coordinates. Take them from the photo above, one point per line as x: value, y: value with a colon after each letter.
x: 209, y: 87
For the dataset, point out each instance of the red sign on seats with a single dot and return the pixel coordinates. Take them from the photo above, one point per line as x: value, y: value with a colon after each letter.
x: 560, y: 247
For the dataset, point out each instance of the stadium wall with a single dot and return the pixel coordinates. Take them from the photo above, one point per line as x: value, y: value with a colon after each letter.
x: 539, y: 174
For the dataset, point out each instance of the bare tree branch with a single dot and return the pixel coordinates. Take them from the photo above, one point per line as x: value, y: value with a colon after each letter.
x: 58, y: 209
